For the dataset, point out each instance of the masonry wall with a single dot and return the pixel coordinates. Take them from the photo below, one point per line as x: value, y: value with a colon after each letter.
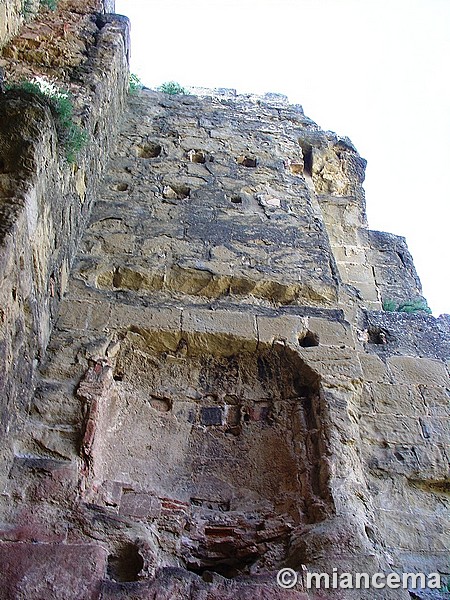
x: 216, y: 392
x: 45, y: 199
x: 10, y: 19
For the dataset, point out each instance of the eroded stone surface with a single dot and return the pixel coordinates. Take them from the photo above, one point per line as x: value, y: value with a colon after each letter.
x: 221, y: 395
x: 34, y: 571
x: 45, y: 202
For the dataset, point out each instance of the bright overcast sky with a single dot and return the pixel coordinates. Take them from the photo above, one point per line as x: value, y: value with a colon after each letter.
x: 377, y: 71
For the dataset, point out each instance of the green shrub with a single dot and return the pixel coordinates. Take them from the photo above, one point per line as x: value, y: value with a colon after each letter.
x: 51, y: 4
x: 134, y: 84
x: 72, y: 137
x: 412, y: 306
x: 389, y: 305
x: 173, y: 88
x: 28, y: 7
x: 409, y: 306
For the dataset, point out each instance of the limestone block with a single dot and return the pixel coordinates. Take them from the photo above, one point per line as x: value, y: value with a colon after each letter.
x: 331, y: 333
x: 373, y: 368
x: 359, y: 273
x: 73, y: 315
x: 432, y: 458
x: 118, y: 243
x: 396, y: 399
x: 99, y: 314
x: 152, y: 318
x: 83, y: 315
x: 437, y: 429
x: 350, y: 254
x: 340, y: 364
x: 409, y: 369
x: 403, y: 530
x: 55, y: 404
x: 339, y: 236
x: 219, y: 332
x: 62, y: 441
x: 370, y: 305
x: 397, y: 429
x: 390, y: 275
x: 369, y: 292
x: 421, y: 462
x: 284, y: 327
x: 436, y: 399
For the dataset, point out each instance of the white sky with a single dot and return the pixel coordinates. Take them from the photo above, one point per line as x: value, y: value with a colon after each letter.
x: 377, y: 71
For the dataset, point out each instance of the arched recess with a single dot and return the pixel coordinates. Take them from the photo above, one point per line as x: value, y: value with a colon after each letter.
x: 222, y: 454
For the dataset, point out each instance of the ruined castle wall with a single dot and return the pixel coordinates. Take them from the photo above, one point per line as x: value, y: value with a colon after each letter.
x: 11, y: 17
x: 14, y: 13
x: 216, y: 395
x: 404, y: 437
x: 45, y: 199
x: 199, y: 383
x: 393, y: 268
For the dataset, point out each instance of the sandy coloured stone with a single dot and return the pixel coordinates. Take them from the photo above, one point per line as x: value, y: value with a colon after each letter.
x: 373, y: 368
x: 409, y: 369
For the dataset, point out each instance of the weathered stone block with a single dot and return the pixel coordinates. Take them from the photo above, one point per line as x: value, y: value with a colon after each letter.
x: 436, y: 399
x: 124, y: 316
x: 408, y: 369
x: 359, y: 273
x: 219, y: 331
x: 74, y: 315
x: 369, y: 292
x: 342, y: 364
x: 36, y: 571
x: 285, y: 327
x: 396, y: 429
x: 331, y: 333
x: 140, y: 505
x: 397, y: 399
x: 373, y: 368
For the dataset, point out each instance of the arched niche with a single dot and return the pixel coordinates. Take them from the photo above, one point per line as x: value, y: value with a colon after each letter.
x: 222, y: 453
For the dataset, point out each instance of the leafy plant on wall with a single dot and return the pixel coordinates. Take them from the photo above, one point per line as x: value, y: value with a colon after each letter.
x: 172, y: 88
x: 72, y: 137
x: 408, y: 306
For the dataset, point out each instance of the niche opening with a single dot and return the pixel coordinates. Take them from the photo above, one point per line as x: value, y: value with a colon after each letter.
x: 197, y: 156
x: 309, y: 340
x: 377, y: 336
x: 307, y: 151
x: 176, y: 192
x: 126, y: 564
x: 149, y: 150
x: 247, y: 161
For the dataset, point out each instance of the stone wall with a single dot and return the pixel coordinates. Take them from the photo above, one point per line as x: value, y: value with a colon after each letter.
x: 45, y: 200
x: 404, y: 437
x: 220, y: 394
x: 11, y: 18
